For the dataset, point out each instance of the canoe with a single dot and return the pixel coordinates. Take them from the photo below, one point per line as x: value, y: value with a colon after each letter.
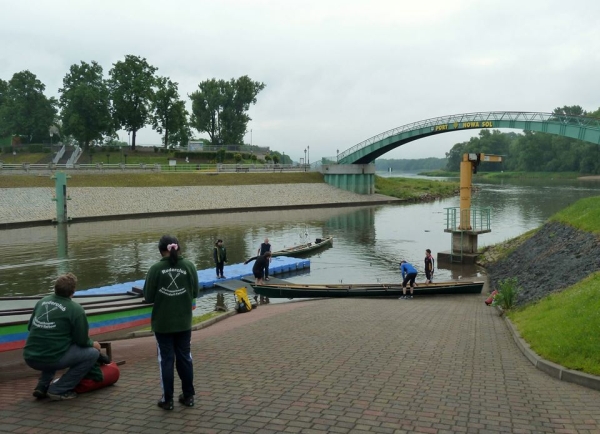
x: 300, y: 249
x: 275, y: 290
x: 109, y: 316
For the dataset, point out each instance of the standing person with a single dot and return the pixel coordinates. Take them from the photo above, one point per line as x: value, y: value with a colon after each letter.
x: 429, y: 266
x: 264, y: 248
x: 58, y: 339
x: 409, y: 274
x: 258, y: 268
x: 172, y: 285
x: 220, y: 257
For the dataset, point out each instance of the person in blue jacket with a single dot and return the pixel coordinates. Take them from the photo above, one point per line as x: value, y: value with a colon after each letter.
x: 409, y: 274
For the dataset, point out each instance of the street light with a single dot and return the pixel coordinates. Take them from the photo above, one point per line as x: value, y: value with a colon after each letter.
x: 308, y: 160
x: 337, y: 153
x: 305, y: 159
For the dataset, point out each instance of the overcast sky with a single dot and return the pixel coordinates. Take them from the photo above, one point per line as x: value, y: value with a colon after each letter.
x: 336, y: 72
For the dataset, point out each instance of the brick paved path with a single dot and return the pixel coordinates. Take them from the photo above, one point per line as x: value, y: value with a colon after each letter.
x: 428, y: 365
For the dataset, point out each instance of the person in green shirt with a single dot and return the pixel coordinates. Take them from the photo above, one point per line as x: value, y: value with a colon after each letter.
x: 59, y: 339
x: 172, y: 285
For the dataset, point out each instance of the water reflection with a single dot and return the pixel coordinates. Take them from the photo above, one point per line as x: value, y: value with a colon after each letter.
x: 368, y: 241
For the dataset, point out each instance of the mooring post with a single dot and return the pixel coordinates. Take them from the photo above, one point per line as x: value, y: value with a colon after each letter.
x: 60, y: 180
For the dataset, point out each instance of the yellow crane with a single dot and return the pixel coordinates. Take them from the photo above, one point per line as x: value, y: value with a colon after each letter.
x: 464, y: 235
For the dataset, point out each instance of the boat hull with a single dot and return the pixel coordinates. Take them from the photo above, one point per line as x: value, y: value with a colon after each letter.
x: 106, y: 319
x: 364, y: 290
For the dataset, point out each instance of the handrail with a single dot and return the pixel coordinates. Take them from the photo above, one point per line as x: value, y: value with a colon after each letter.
x: 186, y: 167
x: 477, y: 116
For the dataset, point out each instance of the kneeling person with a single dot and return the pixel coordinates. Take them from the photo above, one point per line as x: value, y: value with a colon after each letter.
x: 59, y: 339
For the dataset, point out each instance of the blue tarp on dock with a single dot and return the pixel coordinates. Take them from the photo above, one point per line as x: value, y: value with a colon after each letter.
x: 207, y: 278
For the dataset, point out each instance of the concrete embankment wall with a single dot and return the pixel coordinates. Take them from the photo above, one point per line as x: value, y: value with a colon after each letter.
x: 33, y: 206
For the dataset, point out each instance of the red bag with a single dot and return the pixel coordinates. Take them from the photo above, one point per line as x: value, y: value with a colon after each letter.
x: 110, y: 374
x: 490, y: 299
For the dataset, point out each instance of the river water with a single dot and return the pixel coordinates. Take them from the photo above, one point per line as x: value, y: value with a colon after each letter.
x: 368, y: 243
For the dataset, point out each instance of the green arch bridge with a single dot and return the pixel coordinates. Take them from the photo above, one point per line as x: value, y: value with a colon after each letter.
x: 354, y: 172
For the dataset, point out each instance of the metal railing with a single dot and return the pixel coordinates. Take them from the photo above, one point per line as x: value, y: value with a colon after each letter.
x: 477, y: 116
x: 186, y: 167
x: 479, y: 219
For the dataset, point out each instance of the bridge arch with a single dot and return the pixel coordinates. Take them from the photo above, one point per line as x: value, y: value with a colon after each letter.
x: 575, y: 127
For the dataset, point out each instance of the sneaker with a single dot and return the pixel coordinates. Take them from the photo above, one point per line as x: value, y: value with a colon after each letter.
x: 40, y: 392
x: 266, y: 278
x: 188, y: 402
x: 165, y: 405
x: 61, y: 397
x: 403, y: 297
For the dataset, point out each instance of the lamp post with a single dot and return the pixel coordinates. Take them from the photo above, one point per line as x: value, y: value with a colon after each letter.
x: 128, y: 138
x: 250, y: 137
x: 305, y: 159
x: 337, y: 155
x: 308, y: 160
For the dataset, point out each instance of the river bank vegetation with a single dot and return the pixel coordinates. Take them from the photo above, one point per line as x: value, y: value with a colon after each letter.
x: 415, y: 189
x: 560, y: 321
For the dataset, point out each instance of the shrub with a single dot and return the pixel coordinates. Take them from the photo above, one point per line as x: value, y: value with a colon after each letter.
x: 508, y: 290
x: 237, y: 158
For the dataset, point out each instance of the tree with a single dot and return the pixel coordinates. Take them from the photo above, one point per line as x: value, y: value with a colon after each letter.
x: 85, y: 104
x: 131, y: 86
x: 24, y: 109
x: 220, y: 108
x: 3, y: 96
x: 169, y: 113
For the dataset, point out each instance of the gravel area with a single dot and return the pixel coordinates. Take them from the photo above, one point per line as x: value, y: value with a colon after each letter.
x: 556, y: 257
x: 20, y: 205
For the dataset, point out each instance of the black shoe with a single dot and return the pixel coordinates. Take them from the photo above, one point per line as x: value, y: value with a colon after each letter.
x: 188, y: 402
x: 67, y: 395
x: 40, y: 392
x: 165, y: 405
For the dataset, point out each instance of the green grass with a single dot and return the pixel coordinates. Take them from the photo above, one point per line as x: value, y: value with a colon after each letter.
x: 531, y: 175
x: 565, y: 327
x: 414, y: 189
x: 22, y: 157
x: 163, y: 179
x: 583, y: 214
x: 195, y: 319
x: 205, y: 317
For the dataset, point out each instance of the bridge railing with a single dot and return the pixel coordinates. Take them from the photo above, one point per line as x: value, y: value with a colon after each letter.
x: 477, y: 116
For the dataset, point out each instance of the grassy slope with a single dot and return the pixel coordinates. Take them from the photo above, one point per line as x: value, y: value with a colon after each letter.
x: 406, y: 188
x: 564, y: 327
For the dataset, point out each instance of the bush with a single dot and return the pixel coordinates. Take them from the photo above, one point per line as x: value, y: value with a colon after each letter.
x: 508, y: 290
x: 36, y: 149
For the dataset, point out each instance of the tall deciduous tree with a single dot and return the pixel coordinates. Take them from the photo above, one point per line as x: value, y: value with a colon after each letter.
x: 25, y: 110
x: 3, y: 95
x: 220, y: 108
x: 131, y: 84
x: 169, y: 113
x: 85, y: 104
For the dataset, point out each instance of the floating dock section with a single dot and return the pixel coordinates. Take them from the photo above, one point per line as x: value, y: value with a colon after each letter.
x: 207, y: 278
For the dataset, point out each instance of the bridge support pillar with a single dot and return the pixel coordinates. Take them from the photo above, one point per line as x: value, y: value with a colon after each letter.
x: 357, y: 178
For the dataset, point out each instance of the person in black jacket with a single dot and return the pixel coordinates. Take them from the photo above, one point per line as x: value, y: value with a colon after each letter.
x: 258, y: 269
x: 220, y: 257
x: 264, y: 248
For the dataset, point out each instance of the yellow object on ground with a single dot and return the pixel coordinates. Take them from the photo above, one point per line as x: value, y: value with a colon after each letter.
x: 242, y: 301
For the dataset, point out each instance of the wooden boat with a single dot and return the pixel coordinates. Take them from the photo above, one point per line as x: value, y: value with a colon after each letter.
x: 300, y: 249
x: 364, y: 290
x: 108, y: 316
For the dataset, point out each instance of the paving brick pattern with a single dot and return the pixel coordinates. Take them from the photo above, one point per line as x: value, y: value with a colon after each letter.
x: 427, y: 365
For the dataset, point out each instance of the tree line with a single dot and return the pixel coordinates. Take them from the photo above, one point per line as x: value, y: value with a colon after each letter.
x: 532, y: 151
x: 92, y: 108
